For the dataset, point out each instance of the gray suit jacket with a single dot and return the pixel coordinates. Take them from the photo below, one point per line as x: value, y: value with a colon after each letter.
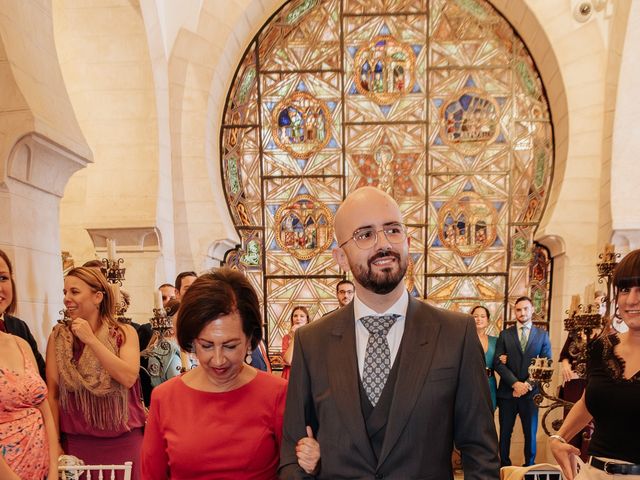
x: 441, y: 396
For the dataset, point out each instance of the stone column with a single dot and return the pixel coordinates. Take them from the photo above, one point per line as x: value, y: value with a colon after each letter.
x: 37, y: 172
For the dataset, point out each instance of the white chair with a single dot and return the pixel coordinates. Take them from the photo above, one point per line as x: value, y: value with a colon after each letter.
x: 542, y: 471
x: 94, y: 472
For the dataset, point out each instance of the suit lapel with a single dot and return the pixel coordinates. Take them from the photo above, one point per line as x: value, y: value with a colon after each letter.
x: 531, y: 342
x: 343, y: 378
x: 416, y: 354
x: 516, y: 344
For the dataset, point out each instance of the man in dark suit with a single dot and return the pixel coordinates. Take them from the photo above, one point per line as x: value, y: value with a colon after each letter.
x: 520, y: 344
x: 388, y: 384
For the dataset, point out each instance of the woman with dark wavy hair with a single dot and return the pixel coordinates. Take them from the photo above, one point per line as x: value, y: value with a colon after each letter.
x: 92, y: 374
x: 612, y: 394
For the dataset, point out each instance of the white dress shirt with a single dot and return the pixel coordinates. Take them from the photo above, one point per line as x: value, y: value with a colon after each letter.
x: 394, y: 337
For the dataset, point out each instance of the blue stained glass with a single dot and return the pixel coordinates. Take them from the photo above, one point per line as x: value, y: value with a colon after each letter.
x: 467, y: 260
x: 470, y: 83
x: 468, y: 187
x: 384, y: 30
x: 301, y: 87
x: 304, y: 264
x: 385, y: 109
x: 332, y: 143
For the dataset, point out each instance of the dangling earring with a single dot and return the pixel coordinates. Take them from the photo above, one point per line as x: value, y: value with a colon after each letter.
x: 248, y: 359
x: 617, y: 313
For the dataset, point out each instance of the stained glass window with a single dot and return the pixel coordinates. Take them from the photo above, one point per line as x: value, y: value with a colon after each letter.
x: 438, y: 102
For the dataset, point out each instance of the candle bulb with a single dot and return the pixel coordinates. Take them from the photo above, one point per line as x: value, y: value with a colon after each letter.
x: 589, y: 294
x: 111, y: 249
x: 608, y: 249
x: 575, y: 301
x: 157, y: 298
x: 115, y: 289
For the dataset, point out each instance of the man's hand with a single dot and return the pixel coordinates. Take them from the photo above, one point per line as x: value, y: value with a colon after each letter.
x: 520, y: 389
x: 308, y: 452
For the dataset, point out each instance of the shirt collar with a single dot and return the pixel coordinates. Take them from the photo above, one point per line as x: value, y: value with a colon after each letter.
x: 525, y: 325
x: 399, y: 308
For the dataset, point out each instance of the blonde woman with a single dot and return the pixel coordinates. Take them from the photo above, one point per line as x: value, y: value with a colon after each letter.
x: 92, y: 373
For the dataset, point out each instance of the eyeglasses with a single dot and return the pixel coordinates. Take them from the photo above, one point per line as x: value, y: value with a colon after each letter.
x: 367, y: 237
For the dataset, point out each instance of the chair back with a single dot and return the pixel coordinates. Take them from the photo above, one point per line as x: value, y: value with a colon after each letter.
x: 94, y: 472
x: 543, y: 471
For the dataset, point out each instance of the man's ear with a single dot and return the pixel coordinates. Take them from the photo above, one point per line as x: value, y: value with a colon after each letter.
x: 341, y: 258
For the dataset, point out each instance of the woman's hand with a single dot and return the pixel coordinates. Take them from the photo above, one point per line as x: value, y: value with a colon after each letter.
x: 503, y: 359
x: 82, y: 330
x: 308, y: 452
x: 566, y: 456
x: 567, y: 373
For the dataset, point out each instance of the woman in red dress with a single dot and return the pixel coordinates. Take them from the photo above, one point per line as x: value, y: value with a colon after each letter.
x: 223, y: 419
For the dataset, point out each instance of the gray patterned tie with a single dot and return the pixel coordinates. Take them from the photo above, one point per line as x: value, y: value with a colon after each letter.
x: 377, y: 359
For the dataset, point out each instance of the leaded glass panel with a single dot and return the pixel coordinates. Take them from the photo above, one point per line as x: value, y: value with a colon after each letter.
x: 437, y: 102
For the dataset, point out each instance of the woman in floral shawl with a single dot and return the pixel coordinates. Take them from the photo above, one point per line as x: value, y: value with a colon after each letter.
x: 92, y: 375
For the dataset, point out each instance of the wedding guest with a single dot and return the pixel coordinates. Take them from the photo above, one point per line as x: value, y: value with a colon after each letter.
x: 28, y: 444
x: 223, y: 419
x: 612, y: 394
x: 8, y: 302
x: 299, y: 317
x: 92, y: 373
x: 183, y: 282
x: 482, y: 316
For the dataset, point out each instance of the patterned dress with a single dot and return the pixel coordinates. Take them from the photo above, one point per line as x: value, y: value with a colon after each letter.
x: 23, y: 439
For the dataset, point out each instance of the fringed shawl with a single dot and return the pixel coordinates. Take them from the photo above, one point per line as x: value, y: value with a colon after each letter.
x: 102, y: 401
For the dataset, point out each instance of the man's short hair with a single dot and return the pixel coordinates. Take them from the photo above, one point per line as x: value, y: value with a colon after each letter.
x: 165, y: 285
x: 523, y: 298
x: 181, y: 276
x: 342, y: 282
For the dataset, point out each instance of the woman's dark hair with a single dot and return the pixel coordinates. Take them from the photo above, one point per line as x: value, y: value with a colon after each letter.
x: 486, y: 310
x: 213, y: 295
x: 627, y: 272
x: 304, y: 309
x: 12, y: 306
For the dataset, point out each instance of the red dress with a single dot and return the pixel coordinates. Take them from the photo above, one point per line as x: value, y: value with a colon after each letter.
x: 23, y: 438
x: 196, y: 435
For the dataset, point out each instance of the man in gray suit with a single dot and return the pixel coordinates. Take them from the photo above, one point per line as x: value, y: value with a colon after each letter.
x: 388, y: 384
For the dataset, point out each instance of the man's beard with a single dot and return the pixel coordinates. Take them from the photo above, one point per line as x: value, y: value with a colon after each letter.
x: 383, y: 282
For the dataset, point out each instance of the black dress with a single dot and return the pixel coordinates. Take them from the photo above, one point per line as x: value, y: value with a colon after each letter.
x: 614, y: 403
